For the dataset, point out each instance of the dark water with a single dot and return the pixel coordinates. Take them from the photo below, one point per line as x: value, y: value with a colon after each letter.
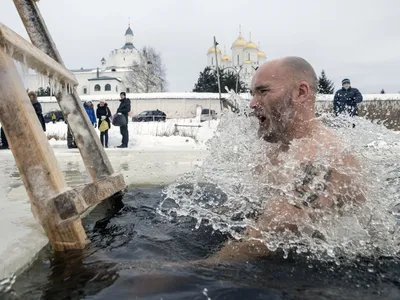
x: 131, y: 250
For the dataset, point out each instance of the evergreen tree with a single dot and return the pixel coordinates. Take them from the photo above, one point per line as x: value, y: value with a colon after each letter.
x: 383, y: 91
x: 208, y: 81
x: 325, y: 86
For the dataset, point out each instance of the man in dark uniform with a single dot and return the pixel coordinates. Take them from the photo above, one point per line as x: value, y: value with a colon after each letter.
x: 346, y: 99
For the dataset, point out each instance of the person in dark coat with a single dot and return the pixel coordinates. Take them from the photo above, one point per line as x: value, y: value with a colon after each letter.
x: 71, y: 144
x: 103, y: 113
x: 90, y: 112
x: 4, y: 142
x: 346, y: 99
x: 38, y: 109
x: 124, y: 109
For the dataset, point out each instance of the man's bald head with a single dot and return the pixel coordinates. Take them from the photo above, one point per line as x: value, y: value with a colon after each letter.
x: 291, y: 69
x: 301, y: 70
x: 283, y: 96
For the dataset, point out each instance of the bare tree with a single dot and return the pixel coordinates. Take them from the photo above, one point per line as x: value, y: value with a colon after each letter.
x: 148, y: 75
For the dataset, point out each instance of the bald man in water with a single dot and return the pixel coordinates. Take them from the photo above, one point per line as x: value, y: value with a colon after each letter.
x: 284, y: 92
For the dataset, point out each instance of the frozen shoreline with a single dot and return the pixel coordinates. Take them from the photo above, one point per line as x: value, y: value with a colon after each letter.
x: 150, y: 159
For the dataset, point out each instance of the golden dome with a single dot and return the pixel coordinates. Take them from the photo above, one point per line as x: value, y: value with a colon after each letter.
x: 261, y: 53
x: 247, y: 62
x: 225, y: 58
x: 240, y: 42
x: 212, y: 50
x: 250, y: 45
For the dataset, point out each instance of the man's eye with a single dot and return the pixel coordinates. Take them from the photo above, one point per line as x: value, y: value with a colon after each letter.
x: 264, y: 91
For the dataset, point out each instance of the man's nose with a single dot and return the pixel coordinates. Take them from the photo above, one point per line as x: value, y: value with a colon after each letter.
x: 254, y: 102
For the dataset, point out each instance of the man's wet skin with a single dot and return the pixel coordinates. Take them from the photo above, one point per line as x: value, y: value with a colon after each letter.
x: 284, y: 92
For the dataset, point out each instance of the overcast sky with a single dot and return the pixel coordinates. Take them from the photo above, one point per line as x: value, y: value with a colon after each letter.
x: 358, y: 39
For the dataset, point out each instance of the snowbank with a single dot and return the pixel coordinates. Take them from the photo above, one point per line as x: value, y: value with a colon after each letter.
x: 188, y: 134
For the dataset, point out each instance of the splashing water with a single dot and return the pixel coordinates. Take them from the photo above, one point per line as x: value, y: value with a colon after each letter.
x: 6, y: 288
x: 228, y: 193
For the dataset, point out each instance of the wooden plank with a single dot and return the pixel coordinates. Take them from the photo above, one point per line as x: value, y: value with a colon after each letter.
x: 53, y: 202
x: 94, y: 157
x: 26, y: 53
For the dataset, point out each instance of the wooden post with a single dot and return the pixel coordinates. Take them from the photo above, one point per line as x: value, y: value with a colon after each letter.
x: 53, y: 202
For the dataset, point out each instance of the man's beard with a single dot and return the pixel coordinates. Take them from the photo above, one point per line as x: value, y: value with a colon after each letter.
x: 275, y: 121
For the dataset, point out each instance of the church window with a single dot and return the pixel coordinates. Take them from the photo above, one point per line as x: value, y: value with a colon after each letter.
x: 212, y: 61
x: 85, y: 90
x: 107, y: 88
x: 248, y: 56
x: 116, y: 88
x: 97, y: 88
x: 128, y: 90
x: 238, y: 59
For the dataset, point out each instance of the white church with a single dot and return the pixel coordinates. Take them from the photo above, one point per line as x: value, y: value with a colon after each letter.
x: 245, y: 58
x: 109, y: 77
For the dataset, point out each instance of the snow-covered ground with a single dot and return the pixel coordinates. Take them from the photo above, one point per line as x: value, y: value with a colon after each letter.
x: 160, y: 136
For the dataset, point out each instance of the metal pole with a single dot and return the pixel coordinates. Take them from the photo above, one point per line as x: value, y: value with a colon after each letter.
x: 218, y: 77
x: 237, y: 80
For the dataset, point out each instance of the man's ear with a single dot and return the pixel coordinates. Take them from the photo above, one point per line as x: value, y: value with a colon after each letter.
x: 301, y: 92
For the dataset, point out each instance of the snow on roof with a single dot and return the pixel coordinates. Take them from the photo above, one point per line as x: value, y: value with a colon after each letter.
x: 82, y: 70
x: 211, y: 96
x: 105, y: 78
x: 128, y: 46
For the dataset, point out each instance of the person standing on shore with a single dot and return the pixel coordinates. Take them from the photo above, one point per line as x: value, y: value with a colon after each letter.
x: 346, y: 99
x: 124, y: 109
x: 90, y: 111
x: 38, y: 109
x: 103, y: 113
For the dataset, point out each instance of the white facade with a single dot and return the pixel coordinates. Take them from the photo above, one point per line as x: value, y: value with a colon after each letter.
x: 108, y: 78
x: 245, y: 58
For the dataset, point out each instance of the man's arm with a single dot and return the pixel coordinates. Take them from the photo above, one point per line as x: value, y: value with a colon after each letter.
x: 335, y: 103
x: 358, y: 98
x: 125, y: 107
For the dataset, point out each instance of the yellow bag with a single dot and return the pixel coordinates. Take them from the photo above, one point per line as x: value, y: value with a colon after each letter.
x: 103, y: 126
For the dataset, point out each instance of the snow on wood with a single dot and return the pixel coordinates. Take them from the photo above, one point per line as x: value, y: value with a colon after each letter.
x: 28, y: 55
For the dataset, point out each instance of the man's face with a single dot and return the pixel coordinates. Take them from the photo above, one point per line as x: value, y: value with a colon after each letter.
x: 272, y: 101
x: 32, y: 98
x: 346, y: 86
x: 122, y: 96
